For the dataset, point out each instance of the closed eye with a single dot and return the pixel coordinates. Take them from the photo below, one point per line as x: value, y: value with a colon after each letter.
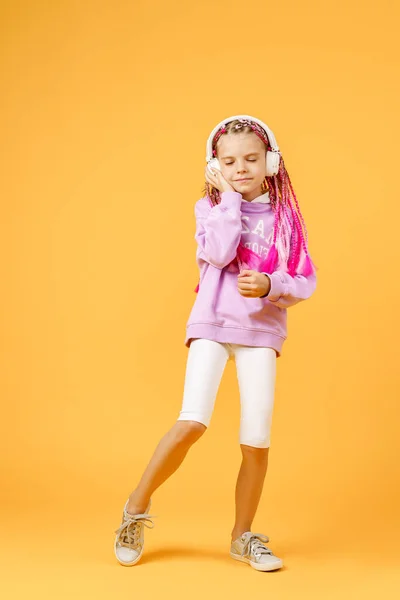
x: 249, y: 159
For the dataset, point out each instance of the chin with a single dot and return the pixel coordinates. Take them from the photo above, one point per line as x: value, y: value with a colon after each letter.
x: 245, y: 188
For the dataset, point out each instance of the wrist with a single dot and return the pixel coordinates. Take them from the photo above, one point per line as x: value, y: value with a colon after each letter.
x: 267, y: 285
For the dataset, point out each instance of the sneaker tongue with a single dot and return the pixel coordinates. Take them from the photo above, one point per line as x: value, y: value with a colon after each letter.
x: 128, y: 516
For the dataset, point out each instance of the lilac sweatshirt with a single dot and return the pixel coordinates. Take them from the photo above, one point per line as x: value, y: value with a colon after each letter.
x: 220, y: 312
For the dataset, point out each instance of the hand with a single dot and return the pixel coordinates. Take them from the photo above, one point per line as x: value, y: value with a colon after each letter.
x: 253, y: 284
x: 218, y: 181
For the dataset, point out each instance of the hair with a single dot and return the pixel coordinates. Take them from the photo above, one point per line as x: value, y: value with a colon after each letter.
x: 289, y: 249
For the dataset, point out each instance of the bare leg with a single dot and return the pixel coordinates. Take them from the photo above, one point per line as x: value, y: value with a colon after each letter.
x: 167, y: 457
x: 249, y: 487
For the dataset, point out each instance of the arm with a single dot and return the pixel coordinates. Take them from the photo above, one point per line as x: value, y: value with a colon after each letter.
x: 218, y: 230
x: 287, y: 291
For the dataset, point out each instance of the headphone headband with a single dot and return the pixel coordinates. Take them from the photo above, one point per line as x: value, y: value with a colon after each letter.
x: 271, y: 137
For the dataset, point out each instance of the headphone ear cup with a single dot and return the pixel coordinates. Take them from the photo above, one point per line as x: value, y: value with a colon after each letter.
x: 213, y: 164
x: 272, y: 163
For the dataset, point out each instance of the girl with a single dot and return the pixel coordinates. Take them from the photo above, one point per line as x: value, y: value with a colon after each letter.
x: 253, y: 258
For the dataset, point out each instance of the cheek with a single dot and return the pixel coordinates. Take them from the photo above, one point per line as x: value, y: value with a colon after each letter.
x: 261, y: 170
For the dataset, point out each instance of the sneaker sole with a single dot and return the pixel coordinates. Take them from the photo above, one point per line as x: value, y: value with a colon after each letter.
x: 259, y: 567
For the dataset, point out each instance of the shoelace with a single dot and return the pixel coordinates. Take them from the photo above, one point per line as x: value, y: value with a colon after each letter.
x: 129, y: 530
x: 254, y: 544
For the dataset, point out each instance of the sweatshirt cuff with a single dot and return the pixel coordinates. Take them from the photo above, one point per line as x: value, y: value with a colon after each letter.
x: 277, y: 287
x: 231, y: 199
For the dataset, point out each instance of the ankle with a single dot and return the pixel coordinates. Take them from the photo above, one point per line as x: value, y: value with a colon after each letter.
x: 136, y: 505
x: 237, y: 533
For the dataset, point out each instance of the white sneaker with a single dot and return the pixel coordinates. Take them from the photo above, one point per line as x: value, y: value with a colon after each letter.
x: 250, y: 548
x: 129, y: 541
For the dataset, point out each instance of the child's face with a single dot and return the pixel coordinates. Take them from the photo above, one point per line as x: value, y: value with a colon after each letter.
x: 242, y: 155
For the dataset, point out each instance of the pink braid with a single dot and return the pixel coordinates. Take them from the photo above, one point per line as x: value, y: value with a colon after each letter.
x: 298, y: 208
x: 268, y: 265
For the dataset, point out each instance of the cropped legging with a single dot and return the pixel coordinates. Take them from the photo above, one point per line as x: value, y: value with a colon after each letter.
x: 256, y: 373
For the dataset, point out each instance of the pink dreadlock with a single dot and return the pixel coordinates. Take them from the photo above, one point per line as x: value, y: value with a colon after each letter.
x: 290, y: 232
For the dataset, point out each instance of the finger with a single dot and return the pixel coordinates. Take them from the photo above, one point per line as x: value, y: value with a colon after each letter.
x: 211, y: 176
x: 247, y: 279
x: 245, y: 272
x: 247, y: 286
x: 210, y: 179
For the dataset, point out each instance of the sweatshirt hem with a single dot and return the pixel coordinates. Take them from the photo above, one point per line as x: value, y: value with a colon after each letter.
x: 234, y: 335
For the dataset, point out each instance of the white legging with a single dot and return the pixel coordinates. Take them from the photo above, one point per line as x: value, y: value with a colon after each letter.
x: 256, y: 373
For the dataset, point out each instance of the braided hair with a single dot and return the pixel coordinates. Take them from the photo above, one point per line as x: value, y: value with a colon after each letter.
x: 289, y: 249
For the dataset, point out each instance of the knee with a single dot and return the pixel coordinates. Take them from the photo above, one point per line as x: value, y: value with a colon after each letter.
x: 254, y: 453
x: 188, y: 431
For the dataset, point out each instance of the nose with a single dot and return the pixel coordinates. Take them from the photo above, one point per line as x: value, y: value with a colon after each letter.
x: 241, y: 168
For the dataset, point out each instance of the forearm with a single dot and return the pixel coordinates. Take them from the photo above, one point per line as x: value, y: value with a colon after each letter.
x: 219, y: 231
x: 285, y: 291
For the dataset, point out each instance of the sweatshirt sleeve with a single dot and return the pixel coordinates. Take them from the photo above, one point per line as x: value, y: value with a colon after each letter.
x: 287, y: 291
x: 219, y: 229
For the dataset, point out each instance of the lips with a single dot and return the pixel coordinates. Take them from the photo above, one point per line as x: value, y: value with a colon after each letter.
x: 246, y: 179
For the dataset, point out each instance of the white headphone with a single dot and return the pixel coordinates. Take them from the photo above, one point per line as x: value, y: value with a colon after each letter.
x: 272, y: 157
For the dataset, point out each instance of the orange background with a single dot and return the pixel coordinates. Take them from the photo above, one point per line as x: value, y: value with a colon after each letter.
x: 106, y: 108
